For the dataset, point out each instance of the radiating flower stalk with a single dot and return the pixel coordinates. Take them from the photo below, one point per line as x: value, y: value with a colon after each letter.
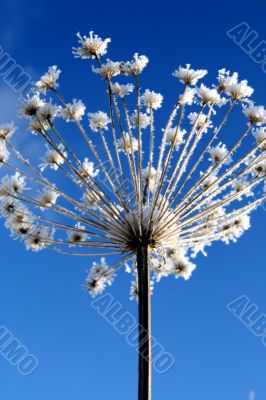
x: 151, y: 200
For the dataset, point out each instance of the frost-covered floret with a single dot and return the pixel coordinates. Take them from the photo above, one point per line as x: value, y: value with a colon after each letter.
x: 181, y: 266
x: 201, y: 121
x: 8, y: 206
x: 98, y: 121
x: 47, y: 198
x: 121, y: 90
x: 78, y: 234
x: 256, y: 115
x: 175, y: 136
x: 74, y: 111
x: 99, y: 277
x: 233, y: 230
x: 213, y: 217
x: 239, y: 91
x: 108, y: 70
x: 7, y: 131
x: 19, y: 231
x: 91, y: 47
x: 209, y: 182
x: 149, y: 177
x: 4, y: 154
x: 53, y: 158
x: 88, y: 169
x: 20, y: 223
x: 38, y: 238
x: 91, y: 199
x: 189, y: 76
x: 48, y: 80
x: 127, y: 144
x: 260, y: 167
x: 229, y: 84
x: 207, y: 95
x: 12, y: 185
x: 47, y: 112
x: 31, y: 106
x: 219, y: 153
x: 226, y: 80
x: 160, y: 267
x: 151, y: 100
x: 242, y: 187
x: 36, y: 126
x: 134, y: 67
x: 20, y: 215
x: 260, y: 136
x: 142, y: 119
x: 188, y: 96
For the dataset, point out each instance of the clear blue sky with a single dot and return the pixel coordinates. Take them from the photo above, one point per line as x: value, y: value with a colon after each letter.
x: 80, y: 356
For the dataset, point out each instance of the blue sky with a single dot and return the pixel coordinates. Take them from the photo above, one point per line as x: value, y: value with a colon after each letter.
x: 41, y: 300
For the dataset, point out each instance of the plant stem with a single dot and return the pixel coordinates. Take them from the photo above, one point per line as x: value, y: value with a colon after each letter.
x: 144, y: 392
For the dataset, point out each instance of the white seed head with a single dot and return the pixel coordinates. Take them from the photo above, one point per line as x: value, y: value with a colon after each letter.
x: 48, y: 80
x: 134, y: 67
x: 151, y: 100
x: 74, y: 111
x: 98, y: 121
x: 91, y: 47
x: 189, y: 76
x: 7, y: 131
x: 121, y: 90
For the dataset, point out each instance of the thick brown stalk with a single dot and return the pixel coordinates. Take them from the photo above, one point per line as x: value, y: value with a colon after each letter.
x: 144, y: 391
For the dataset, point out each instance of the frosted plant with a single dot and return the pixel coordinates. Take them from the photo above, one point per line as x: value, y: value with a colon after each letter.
x: 151, y: 196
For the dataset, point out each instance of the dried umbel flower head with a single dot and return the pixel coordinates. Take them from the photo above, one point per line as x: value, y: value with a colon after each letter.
x: 189, y: 76
x: 260, y: 136
x: 117, y: 183
x: 31, y: 106
x: 49, y: 80
x: 99, y: 121
x: 121, y: 90
x: 91, y: 46
x: 256, y: 114
x: 4, y: 154
x: 7, y: 130
x: 108, y: 70
x: 134, y: 67
x: 73, y: 111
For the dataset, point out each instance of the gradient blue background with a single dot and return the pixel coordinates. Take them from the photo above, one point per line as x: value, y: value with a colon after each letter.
x: 41, y: 300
